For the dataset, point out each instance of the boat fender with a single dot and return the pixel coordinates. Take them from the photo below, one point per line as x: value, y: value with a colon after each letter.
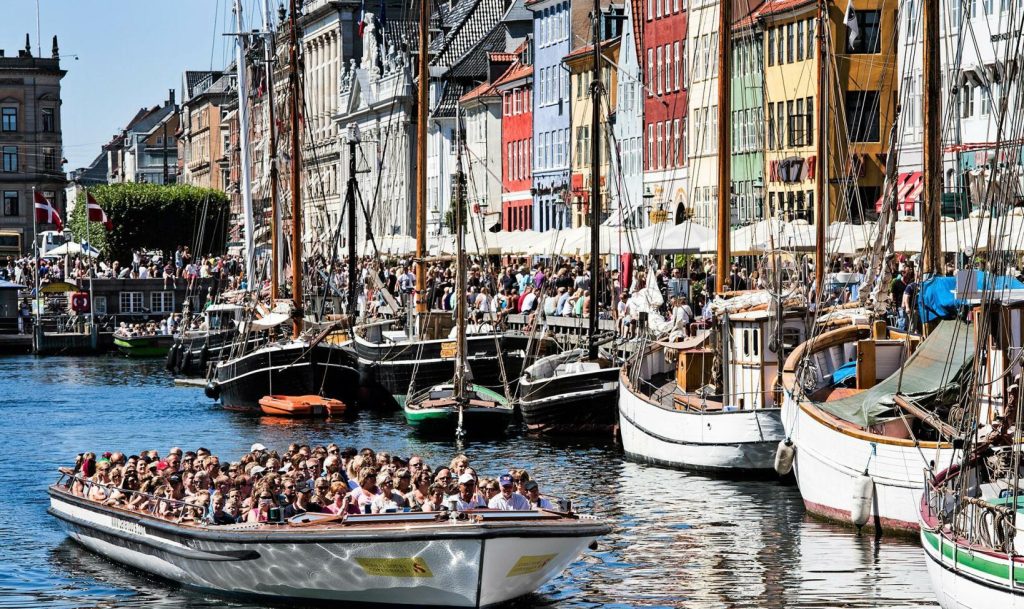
x: 212, y: 390
x: 863, y: 496
x: 593, y: 545
x: 784, y: 455
x: 172, y: 357
x: 186, y: 360
x: 204, y: 357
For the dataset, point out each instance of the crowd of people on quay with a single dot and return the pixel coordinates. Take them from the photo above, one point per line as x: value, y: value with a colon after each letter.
x: 264, y: 485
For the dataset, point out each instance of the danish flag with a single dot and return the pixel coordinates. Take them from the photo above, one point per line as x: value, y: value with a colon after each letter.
x: 46, y: 212
x: 96, y: 213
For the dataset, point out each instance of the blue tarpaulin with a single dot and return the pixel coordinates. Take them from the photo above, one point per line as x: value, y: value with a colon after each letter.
x: 937, y: 299
x: 844, y: 372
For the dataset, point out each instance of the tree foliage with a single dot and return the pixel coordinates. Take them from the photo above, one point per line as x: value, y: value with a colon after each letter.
x: 153, y: 217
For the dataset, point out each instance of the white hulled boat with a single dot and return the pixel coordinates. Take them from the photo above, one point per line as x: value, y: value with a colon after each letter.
x: 859, y: 457
x: 670, y: 415
x: 423, y: 559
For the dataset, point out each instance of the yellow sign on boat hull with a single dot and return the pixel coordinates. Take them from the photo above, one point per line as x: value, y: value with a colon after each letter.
x: 395, y: 567
x: 530, y: 564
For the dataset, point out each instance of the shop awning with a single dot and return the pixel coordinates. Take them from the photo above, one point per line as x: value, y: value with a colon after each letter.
x: 909, y: 186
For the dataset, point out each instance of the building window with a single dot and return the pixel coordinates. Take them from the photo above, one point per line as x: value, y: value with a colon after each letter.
x: 161, y: 302
x: 659, y: 74
x: 790, y: 134
x: 789, y: 42
x: 49, y: 125
x: 799, y: 40
x: 862, y: 116
x: 49, y: 159
x: 771, y: 126
x: 11, y: 207
x: 131, y: 302
x: 986, y: 101
x: 771, y: 46
x: 810, y: 38
x: 10, y: 119
x: 99, y: 305
x: 10, y: 159
x: 869, y: 39
x: 810, y: 121
x: 676, y: 142
x: 967, y: 101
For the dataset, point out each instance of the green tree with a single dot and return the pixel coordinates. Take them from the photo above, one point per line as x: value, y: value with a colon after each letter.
x: 153, y: 217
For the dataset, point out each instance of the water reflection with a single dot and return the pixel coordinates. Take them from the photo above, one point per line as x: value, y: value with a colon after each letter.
x: 679, y: 540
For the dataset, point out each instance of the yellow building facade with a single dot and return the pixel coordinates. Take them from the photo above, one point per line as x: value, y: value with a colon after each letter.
x: 861, y: 102
x: 580, y: 65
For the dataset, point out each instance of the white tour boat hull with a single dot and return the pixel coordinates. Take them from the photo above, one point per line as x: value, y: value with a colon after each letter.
x: 738, y: 442
x: 829, y: 462
x: 453, y: 565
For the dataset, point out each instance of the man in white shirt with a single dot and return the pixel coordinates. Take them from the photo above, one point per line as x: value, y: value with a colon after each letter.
x: 508, y: 500
x: 529, y: 301
x: 466, y: 499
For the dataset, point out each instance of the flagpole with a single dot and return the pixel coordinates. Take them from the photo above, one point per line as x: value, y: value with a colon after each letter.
x: 88, y: 257
x: 35, y: 248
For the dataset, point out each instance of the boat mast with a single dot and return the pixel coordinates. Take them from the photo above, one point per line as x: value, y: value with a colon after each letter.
x: 821, y: 188
x: 296, y: 154
x: 421, y: 159
x: 931, y: 205
x: 275, y: 210
x: 245, y: 163
x: 722, y: 262
x: 596, y: 90
x: 350, y: 199
x: 460, y: 269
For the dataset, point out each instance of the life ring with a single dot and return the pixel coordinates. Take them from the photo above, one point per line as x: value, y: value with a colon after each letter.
x: 80, y: 302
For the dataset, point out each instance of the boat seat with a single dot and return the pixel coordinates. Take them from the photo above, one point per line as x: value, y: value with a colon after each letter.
x: 577, y: 367
x: 394, y: 336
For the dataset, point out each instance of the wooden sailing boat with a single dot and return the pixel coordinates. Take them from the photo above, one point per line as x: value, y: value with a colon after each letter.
x: 461, y: 406
x: 289, y: 366
x: 574, y: 392
x: 858, y: 446
x: 671, y: 413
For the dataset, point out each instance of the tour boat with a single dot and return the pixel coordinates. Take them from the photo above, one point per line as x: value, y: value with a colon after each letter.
x: 423, y: 559
x: 301, y: 406
x: 671, y: 415
x: 859, y: 453
x: 143, y: 345
x: 570, y: 394
x: 479, y: 412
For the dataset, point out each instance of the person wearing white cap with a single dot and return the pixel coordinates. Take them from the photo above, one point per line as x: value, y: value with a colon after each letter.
x: 257, y: 448
x: 466, y: 499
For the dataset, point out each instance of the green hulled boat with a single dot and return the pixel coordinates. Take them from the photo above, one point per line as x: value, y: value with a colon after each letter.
x: 151, y: 345
x: 437, y: 411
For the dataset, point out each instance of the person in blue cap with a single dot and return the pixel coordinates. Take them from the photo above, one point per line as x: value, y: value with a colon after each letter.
x: 508, y: 499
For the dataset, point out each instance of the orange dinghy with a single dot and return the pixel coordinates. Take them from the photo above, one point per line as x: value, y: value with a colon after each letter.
x: 301, y: 406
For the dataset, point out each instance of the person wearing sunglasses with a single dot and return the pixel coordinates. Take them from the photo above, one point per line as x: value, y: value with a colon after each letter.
x: 261, y: 511
x: 508, y: 499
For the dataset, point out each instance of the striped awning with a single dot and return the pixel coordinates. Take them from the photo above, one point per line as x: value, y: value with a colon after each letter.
x: 909, y: 186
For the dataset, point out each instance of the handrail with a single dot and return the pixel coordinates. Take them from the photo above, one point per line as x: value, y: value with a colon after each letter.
x: 198, y: 511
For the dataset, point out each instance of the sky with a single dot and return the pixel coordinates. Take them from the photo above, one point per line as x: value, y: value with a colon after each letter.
x: 121, y: 55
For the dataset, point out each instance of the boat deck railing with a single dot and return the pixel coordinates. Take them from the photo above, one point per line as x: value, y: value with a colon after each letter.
x: 153, y: 506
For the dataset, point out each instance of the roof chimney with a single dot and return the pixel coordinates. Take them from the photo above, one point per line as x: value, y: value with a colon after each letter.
x: 170, y: 97
x: 28, y: 46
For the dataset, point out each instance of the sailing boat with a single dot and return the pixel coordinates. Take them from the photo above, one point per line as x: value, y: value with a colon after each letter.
x: 574, y: 392
x: 289, y: 366
x: 461, y: 406
x: 672, y: 411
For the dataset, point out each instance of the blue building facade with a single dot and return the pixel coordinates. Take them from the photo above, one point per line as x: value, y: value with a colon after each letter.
x: 552, y: 29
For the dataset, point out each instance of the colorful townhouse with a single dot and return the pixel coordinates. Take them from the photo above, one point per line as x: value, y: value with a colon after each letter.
x: 516, y: 89
x: 552, y: 27
x: 665, y: 108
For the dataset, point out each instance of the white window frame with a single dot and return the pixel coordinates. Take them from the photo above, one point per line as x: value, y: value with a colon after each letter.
x: 133, y: 298
x: 161, y: 295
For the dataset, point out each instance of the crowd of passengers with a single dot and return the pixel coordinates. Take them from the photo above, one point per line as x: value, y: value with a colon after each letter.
x: 198, y: 486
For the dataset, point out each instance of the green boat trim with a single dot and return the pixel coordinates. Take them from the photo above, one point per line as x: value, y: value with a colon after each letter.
x: 978, y: 563
x: 446, y: 416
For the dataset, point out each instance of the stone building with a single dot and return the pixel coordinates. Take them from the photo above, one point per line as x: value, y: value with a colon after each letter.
x: 146, y: 150
x: 30, y: 137
x: 203, y: 140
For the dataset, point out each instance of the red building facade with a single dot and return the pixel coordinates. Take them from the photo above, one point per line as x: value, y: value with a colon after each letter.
x: 516, y: 89
x: 663, y: 56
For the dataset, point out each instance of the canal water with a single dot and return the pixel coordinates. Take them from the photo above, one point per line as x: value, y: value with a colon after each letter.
x: 679, y: 540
